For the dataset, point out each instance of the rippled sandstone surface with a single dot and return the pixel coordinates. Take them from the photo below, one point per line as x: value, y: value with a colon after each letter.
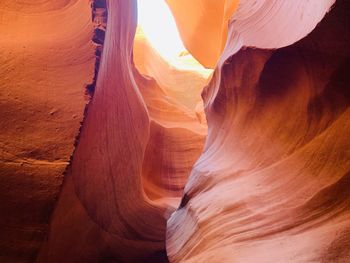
x: 250, y: 165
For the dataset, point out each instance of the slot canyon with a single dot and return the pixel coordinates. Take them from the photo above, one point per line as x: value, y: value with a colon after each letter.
x: 194, y: 131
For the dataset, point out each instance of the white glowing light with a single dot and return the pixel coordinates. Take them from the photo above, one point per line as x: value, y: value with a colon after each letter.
x: 158, y: 24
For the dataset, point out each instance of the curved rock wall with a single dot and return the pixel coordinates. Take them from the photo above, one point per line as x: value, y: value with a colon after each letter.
x: 271, y: 184
x: 203, y: 26
x: 133, y: 157
x: 46, y: 60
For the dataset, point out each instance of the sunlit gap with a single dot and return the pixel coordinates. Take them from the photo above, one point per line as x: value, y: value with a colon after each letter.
x: 159, y: 27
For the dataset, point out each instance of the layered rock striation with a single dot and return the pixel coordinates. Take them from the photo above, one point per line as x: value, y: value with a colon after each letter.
x: 249, y: 164
x: 134, y: 153
x: 271, y: 184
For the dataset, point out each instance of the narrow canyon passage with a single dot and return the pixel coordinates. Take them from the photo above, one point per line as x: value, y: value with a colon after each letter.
x: 213, y: 131
x: 142, y: 132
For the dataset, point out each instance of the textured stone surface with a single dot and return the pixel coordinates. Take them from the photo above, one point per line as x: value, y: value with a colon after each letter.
x: 271, y: 184
x: 46, y: 59
x: 133, y: 157
x: 269, y: 142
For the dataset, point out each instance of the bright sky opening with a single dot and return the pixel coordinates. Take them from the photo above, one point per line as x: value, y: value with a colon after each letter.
x: 159, y: 26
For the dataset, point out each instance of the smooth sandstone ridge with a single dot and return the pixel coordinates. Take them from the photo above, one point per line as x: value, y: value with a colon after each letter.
x: 134, y: 153
x: 272, y: 182
x: 249, y: 164
x: 203, y: 26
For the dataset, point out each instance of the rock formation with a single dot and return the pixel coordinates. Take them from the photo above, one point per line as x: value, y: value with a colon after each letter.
x: 134, y: 154
x: 271, y: 184
x: 248, y: 164
x: 46, y: 60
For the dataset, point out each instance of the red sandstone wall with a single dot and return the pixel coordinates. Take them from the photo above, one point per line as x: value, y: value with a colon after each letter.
x: 270, y: 185
x: 46, y: 60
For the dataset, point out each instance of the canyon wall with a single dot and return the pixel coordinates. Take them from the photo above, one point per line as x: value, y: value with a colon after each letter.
x: 46, y: 60
x: 257, y: 172
x: 272, y: 182
x: 133, y: 156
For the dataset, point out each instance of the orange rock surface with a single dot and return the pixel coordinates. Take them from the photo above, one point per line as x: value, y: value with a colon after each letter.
x: 134, y: 154
x: 203, y: 26
x: 249, y: 164
x: 272, y: 182
x: 46, y: 59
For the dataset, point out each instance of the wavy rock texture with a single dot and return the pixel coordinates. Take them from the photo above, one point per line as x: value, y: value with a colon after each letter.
x: 272, y: 182
x: 46, y: 60
x: 182, y: 85
x: 134, y: 154
x: 178, y: 124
